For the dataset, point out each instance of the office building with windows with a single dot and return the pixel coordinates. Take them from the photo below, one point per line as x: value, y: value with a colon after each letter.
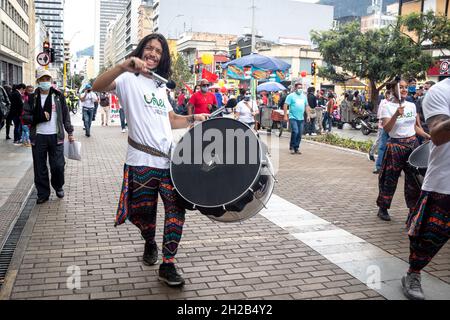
x: 14, y: 40
x: 51, y: 13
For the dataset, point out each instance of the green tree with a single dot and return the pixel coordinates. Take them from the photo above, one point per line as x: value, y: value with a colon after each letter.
x: 180, y: 70
x: 380, y: 55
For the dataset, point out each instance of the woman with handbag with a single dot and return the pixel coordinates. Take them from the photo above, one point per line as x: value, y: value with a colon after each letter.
x: 312, y: 102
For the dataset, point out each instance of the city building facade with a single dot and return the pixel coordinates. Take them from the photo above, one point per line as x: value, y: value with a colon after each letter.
x: 14, y: 40
x: 106, y: 11
x: 51, y: 13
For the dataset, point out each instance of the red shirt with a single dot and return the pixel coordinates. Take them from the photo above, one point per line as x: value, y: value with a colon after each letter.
x: 181, y: 98
x: 201, y: 101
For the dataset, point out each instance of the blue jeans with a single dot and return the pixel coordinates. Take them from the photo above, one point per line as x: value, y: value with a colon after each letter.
x: 328, y: 121
x: 122, y: 118
x: 384, y: 136
x: 25, y: 134
x: 296, y: 133
x: 88, y: 114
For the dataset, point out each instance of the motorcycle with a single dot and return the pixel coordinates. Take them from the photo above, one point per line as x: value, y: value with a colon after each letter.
x: 369, y: 122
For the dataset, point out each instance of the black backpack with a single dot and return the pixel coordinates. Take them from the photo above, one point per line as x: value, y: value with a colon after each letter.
x: 5, y: 104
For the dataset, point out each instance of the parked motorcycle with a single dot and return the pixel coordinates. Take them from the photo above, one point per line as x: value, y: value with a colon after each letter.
x: 369, y: 123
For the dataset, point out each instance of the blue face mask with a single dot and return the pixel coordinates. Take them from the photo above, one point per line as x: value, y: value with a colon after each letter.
x: 45, y: 86
x: 412, y: 89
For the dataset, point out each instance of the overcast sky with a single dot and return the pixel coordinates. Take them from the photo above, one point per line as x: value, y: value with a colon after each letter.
x: 79, y: 22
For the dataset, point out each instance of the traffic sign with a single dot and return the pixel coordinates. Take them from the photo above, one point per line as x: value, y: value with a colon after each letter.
x: 43, y: 59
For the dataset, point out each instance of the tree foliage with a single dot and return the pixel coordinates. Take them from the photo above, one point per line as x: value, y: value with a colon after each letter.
x: 380, y: 55
x: 180, y: 70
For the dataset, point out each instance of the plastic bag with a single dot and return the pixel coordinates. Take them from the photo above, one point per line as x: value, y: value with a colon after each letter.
x: 72, y: 150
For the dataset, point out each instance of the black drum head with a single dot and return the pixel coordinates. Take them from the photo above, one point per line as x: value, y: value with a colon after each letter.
x: 216, y: 162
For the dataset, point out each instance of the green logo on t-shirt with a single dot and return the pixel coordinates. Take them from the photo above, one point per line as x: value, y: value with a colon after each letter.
x: 154, y: 102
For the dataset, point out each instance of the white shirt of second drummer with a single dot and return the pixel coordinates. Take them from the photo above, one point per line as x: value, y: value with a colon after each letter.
x: 146, y: 108
x: 405, y: 125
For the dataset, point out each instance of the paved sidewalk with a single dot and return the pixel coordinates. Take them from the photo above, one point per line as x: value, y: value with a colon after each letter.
x: 16, y: 179
x: 256, y: 259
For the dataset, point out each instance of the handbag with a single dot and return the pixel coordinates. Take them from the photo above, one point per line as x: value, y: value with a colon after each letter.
x: 72, y: 150
x: 313, y: 113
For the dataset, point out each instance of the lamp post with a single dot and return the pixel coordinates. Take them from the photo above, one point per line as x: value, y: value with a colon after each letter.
x: 171, y: 21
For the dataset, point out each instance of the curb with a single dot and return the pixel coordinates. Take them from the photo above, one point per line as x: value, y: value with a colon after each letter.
x: 356, y: 152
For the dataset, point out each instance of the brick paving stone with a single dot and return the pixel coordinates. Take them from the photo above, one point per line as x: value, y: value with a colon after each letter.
x: 254, y: 256
x: 353, y: 296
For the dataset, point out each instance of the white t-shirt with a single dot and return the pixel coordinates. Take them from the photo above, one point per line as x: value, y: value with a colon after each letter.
x: 405, y: 125
x: 245, y: 115
x: 49, y: 127
x: 437, y: 102
x: 89, y: 100
x: 146, y: 108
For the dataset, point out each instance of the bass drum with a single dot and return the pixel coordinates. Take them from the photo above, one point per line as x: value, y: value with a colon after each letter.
x: 418, y: 161
x: 222, y: 169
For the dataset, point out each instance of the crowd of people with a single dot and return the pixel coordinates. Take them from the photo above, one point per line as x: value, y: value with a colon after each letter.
x: 407, y: 118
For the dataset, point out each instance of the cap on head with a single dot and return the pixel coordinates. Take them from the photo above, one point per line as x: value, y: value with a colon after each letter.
x: 88, y: 87
x: 42, y: 73
x: 204, y: 82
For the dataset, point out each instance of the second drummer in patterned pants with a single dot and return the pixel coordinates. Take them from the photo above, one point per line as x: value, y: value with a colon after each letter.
x: 430, y: 224
x: 146, y: 173
x: 402, y: 124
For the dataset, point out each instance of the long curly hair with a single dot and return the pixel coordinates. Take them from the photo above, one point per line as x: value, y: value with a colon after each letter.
x: 164, y: 68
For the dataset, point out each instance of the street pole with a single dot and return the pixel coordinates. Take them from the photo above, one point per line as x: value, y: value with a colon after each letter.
x: 253, y: 27
x: 65, y: 76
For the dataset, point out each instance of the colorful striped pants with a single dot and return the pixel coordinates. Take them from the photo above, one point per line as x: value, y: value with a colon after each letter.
x: 138, y: 203
x: 396, y: 160
x: 429, y: 229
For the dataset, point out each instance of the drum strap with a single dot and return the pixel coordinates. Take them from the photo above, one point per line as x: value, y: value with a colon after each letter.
x: 147, y: 149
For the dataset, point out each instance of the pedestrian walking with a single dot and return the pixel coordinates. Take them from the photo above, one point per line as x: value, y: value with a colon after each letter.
x: 88, y: 99
x: 401, y: 122
x: 312, y: 102
x: 382, y: 136
x: 150, y: 119
x: 16, y: 111
x: 328, y: 117
x: 429, y: 229
x: 202, y: 101
x: 47, y: 114
x: 246, y: 110
x: 106, y: 108
x: 123, y: 123
x: 5, y: 106
x: 320, y: 111
x: 297, y: 103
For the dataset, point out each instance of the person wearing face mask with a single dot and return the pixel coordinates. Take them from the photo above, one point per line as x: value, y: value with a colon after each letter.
x: 297, y: 103
x: 401, y: 121
x: 89, y: 99
x: 246, y: 110
x: 202, y: 101
x: 48, y: 116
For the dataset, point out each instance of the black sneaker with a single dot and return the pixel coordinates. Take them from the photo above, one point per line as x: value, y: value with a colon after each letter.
x: 150, y: 257
x: 168, y: 273
x: 60, y: 193
x: 383, y: 214
x: 376, y: 171
x: 370, y: 156
x: 41, y: 200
